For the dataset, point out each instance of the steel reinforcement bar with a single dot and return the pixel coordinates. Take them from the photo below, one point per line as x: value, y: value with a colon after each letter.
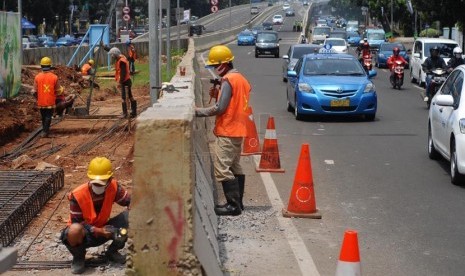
x: 22, y: 195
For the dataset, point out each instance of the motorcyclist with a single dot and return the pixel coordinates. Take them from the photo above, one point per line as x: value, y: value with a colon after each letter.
x: 392, y: 61
x: 363, y: 49
x: 456, y: 59
x: 432, y: 62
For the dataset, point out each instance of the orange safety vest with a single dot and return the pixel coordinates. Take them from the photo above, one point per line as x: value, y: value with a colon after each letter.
x: 232, y: 123
x: 85, y: 69
x: 83, y: 196
x: 132, y: 52
x: 122, y: 61
x: 46, y: 84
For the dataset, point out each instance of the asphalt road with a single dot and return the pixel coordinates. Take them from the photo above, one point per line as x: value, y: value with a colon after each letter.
x: 372, y: 177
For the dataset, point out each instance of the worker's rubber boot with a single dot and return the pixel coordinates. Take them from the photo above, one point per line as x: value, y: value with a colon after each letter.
x: 133, y: 109
x: 231, y: 192
x: 125, y: 109
x: 46, y: 126
x: 112, y: 252
x: 241, y: 181
x: 78, y: 265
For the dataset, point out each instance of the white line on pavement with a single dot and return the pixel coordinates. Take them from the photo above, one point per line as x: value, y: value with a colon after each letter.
x: 302, y: 256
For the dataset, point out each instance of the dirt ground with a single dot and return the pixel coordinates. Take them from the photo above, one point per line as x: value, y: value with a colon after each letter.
x: 72, y: 144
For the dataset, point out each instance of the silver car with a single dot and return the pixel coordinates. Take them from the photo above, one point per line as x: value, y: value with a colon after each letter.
x: 294, y: 53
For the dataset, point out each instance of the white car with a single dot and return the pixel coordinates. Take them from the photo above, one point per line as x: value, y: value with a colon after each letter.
x: 339, y: 45
x: 286, y: 6
x: 278, y: 19
x: 446, y: 125
x: 421, y: 51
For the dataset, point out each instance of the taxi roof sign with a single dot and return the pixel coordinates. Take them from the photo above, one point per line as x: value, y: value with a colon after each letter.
x: 327, y: 49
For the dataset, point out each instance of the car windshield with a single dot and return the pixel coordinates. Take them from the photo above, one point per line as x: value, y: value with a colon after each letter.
x: 267, y: 37
x: 300, y: 51
x: 339, y: 35
x: 321, y: 31
x: 391, y: 46
x: 246, y: 33
x: 278, y: 17
x: 445, y: 49
x: 336, y: 42
x: 353, y: 34
x: 338, y: 67
x: 375, y: 36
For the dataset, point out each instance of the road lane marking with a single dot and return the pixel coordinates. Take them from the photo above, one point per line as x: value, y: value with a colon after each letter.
x: 302, y: 256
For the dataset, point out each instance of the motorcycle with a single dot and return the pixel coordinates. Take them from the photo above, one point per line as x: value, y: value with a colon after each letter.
x: 397, y: 79
x: 367, y: 63
x: 438, y: 78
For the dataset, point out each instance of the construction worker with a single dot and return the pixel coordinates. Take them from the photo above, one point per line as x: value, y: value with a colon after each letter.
x: 230, y: 127
x: 87, y: 69
x: 89, y: 223
x: 46, y: 87
x: 123, y: 78
x: 132, y: 56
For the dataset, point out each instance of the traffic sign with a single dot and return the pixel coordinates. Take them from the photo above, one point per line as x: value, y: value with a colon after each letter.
x: 126, y: 17
x: 126, y: 9
x: 214, y: 9
x: 214, y: 2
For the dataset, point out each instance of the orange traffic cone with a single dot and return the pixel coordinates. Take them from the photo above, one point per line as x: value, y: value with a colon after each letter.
x: 251, y: 144
x: 269, y: 160
x: 349, y: 259
x: 302, y: 199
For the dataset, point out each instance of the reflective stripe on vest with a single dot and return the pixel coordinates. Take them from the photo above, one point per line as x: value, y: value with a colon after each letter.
x: 46, y: 83
x: 232, y: 123
x: 83, y: 196
x: 122, y: 61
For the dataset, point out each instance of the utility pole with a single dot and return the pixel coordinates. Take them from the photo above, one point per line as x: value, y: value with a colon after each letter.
x: 178, y: 27
x: 154, y: 51
x: 230, y: 14
x: 392, y: 15
x: 168, y: 39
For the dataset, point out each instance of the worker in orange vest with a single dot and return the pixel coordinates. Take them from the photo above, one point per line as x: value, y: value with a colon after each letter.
x: 123, y: 78
x: 231, y: 111
x: 132, y: 56
x: 87, y: 69
x: 46, y: 88
x: 89, y: 223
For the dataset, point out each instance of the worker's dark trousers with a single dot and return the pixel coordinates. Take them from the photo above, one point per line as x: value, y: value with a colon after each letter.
x: 132, y: 68
x: 46, y: 114
x: 90, y: 240
x: 126, y: 87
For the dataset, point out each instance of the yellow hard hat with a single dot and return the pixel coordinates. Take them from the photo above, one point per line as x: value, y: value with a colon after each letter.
x: 91, y: 62
x: 219, y: 54
x: 46, y: 61
x: 100, y: 169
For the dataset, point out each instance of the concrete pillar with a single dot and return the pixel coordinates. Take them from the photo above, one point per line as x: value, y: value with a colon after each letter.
x: 161, y: 216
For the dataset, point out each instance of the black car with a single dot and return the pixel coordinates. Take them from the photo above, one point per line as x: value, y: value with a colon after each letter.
x: 267, y: 43
x: 290, y: 12
x: 267, y: 26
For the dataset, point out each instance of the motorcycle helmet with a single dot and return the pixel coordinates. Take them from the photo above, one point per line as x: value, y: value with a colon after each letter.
x: 457, y: 52
x: 434, y: 51
x: 396, y: 51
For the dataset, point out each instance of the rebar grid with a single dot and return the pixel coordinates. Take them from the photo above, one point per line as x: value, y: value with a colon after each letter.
x: 22, y: 195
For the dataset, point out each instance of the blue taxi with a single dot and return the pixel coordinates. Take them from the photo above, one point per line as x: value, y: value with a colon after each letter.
x: 246, y: 37
x: 325, y: 83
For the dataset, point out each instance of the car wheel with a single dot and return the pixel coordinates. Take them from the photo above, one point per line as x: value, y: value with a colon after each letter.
x: 297, y: 115
x: 412, y: 79
x: 284, y: 79
x: 455, y: 177
x: 432, y: 152
x: 276, y: 55
x: 256, y: 54
x: 370, y: 117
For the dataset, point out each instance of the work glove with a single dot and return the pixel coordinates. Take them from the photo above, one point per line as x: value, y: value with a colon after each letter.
x: 101, y: 232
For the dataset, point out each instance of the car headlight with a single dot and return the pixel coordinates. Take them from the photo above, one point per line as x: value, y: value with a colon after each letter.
x: 381, y: 55
x: 369, y: 88
x: 462, y: 125
x: 305, y: 87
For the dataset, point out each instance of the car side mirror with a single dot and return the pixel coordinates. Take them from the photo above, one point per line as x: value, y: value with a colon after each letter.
x: 372, y: 74
x: 279, y: 39
x: 291, y: 74
x: 285, y: 57
x: 444, y: 100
